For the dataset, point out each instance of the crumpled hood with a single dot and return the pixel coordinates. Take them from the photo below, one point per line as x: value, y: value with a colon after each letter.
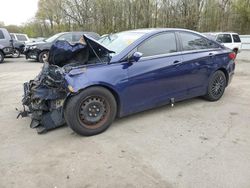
x: 96, y: 45
x: 63, y: 53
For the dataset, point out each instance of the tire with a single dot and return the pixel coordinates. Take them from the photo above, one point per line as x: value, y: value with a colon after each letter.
x: 216, y: 86
x: 16, y: 53
x: 42, y: 56
x: 91, y: 111
x: 1, y: 57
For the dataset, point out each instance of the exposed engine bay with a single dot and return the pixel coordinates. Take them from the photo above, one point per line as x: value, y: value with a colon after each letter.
x: 45, y: 96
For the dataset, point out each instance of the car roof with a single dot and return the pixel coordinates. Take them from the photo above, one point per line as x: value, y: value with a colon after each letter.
x: 156, y: 30
x: 76, y: 32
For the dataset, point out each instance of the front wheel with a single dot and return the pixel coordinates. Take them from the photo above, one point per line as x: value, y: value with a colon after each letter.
x: 91, y: 112
x: 43, y: 56
x: 216, y: 86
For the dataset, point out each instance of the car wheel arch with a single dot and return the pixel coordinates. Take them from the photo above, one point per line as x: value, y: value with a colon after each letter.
x: 44, y: 50
x: 224, y: 71
x: 110, y: 89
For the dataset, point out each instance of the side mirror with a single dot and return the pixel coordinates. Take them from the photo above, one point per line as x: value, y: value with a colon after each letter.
x: 135, y: 57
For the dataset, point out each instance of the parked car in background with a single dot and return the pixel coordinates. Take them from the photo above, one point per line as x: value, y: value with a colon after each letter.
x: 126, y: 73
x: 6, y: 44
x: 18, y: 48
x: 39, y: 50
x: 20, y: 37
x: 228, y: 39
x: 38, y: 39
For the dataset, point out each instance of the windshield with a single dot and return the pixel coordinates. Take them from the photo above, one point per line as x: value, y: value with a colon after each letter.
x: 119, y: 41
x: 51, y: 39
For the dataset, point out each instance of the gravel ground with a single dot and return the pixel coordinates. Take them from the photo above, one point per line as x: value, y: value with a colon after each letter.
x: 195, y: 144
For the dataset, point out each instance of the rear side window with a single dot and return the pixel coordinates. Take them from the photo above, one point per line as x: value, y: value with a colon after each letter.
x: 1, y: 35
x: 236, y: 38
x: 224, y: 38
x: 21, y: 37
x: 160, y: 44
x: 192, y: 41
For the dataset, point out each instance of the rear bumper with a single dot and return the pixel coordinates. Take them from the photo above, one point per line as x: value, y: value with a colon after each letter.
x: 230, y: 78
x: 230, y: 70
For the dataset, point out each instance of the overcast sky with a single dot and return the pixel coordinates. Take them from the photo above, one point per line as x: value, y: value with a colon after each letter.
x: 17, y: 11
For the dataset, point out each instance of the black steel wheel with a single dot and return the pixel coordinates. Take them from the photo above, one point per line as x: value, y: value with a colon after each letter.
x: 216, y: 86
x: 1, y: 57
x: 91, y: 111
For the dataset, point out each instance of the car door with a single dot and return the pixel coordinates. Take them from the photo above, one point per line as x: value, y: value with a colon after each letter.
x: 156, y: 77
x: 5, y: 41
x: 199, y: 55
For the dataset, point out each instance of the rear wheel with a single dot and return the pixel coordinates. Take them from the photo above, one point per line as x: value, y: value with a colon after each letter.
x: 16, y: 53
x: 43, y: 56
x: 1, y: 57
x: 91, y: 112
x: 216, y: 86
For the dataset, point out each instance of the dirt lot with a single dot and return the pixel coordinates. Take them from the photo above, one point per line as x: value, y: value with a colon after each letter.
x: 195, y: 144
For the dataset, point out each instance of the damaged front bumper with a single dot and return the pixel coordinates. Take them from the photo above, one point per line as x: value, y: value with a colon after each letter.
x: 44, y: 97
x: 60, y: 78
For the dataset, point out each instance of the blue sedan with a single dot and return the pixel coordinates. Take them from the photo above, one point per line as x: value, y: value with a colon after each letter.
x: 126, y: 73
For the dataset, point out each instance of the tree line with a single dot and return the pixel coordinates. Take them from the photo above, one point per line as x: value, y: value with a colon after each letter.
x: 109, y: 16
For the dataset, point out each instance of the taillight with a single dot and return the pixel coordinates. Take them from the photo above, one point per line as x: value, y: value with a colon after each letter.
x: 232, y: 55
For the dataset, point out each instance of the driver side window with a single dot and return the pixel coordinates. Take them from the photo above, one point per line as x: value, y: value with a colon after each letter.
x: 160, y: 44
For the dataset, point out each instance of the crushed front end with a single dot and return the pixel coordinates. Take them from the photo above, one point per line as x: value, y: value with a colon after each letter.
x: 44, y: 96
